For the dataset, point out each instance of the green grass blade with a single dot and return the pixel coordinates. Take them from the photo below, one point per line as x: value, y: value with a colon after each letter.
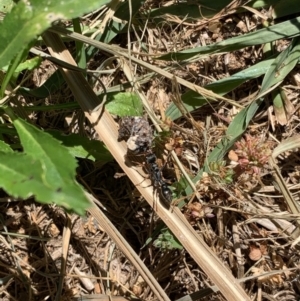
x: 282, y: 65
x: 10, y: 72
x: 203, y: 9
x: 234, y: 131
x: 113, y: 28
x: 279, y: 107
x: 190, y: 11
x: 236, y: 128
x: 80, y: 47
x: 282, y: 30
x: 192, y: 100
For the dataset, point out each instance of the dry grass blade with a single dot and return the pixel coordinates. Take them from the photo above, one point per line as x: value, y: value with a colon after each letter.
x: 155, y: 120
x: 120, y: 52
x: 289, y: 144
x: 106, y: 128
x: 103, y: 126
x: 66, y: 242
x: 128, y: 251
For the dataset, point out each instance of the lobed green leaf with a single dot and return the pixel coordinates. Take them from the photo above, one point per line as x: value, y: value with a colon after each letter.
x: 124, y: 104
x: 45, y: 170
x: 24, y: 179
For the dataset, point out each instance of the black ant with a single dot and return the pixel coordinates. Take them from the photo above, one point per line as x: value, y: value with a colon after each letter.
x: 156, y: 177
x: 138, y: 134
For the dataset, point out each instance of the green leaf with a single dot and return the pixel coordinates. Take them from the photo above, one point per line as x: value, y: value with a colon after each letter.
x: 48, y: 165
x: 167, y: 241
x: 58, y: 163
x: 262, y: 3
x: 82, y: 147
x: 27, y: 65
x: 282, y: 30
x: 124, y: 104
x: 282, y: 65
x: 24, y: 179
x: 236, y: 128
x: 195, y: 10
x: 25, y: 22
x: 6, y: 6
x: 30, y: 64
x: 5, y: 148
x: 20, y: 172
x: 192, y: 100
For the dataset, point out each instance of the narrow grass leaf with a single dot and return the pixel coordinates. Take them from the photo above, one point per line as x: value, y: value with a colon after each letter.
x: 236, y: 128
x: 282, y: 30
x: 234, y: 131
x: 285, y: 146
x: 80, y: 47
x: 282, y: 65
x: 122, y: 13
x: 192, y: 100
x: 278, y: 105
x: 195, y: 10
x: 11, y: 70
x: 283, y: 107
x: 201, y: 9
